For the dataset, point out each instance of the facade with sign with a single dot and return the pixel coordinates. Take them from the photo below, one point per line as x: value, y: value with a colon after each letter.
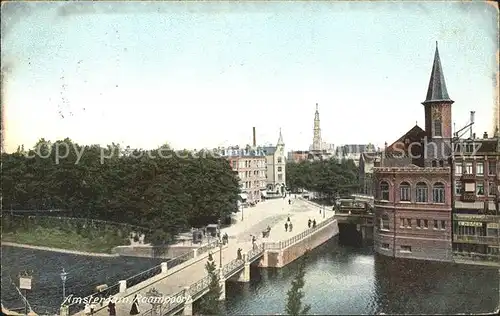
x: 476, y: 218
x: 413, y: 184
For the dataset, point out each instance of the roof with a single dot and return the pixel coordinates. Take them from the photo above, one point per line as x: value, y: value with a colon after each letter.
x: 345, y: 150
x: 437, y: 91
x: 415, y: 134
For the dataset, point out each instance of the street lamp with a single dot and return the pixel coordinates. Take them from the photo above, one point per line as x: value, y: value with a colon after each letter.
x: 220, y: 244
x: 155, y: 299
x: 64, y: 275
x: 242, y: 211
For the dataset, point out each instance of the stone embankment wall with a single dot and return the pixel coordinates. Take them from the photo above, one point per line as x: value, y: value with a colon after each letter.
x: 280, y: 258
x: 146, y: 251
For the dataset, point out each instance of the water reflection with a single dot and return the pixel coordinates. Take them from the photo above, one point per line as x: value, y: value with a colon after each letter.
x: 350, y: 280
x: 84, y: 274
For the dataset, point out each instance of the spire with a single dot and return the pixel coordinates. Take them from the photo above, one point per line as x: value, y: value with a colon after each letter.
x: 280, y: 140
x: 437, y: 86
x: 317, y: 131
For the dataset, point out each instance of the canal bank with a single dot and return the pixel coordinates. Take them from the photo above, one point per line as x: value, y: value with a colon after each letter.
x: 339, y: 280
x: 354, y: 280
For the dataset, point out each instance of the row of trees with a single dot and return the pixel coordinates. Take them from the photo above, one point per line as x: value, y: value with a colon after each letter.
x: 327, y: 177
x: 164, y: 190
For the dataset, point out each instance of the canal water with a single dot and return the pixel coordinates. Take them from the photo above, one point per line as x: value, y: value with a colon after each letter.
x: 339, y: 279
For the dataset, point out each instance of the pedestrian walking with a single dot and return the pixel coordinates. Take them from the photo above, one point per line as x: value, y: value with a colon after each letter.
x: 309, y: 223
x: 253, y: 239
x: 286, y: 226
x: 290, y: 226
x: 289, y: 201
x: 288, y: 220
x: 134, y: 310
x: 239, y: 254
x: 111, y: 308
x: 314, y: 223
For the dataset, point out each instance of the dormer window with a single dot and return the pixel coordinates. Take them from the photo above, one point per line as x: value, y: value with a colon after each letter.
x: 438, y: 132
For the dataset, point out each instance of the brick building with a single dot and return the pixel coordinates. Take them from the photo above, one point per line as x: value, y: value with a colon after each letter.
x: 413, y: 184
x: 476, y: 217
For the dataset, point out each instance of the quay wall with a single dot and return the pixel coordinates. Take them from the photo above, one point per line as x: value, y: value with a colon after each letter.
x: 280, y: 258
x: 147, y: 251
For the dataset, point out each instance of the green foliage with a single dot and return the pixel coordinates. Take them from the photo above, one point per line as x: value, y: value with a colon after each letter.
x: 210, y: 303
x: 327, y: 177
x: 162, y: 190
x: 295, y: 294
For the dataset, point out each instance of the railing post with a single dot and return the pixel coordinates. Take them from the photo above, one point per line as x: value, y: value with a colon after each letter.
x: 164, y: 267
x: 195, y: 253
x: 188, y: 303
x: 122, y: 286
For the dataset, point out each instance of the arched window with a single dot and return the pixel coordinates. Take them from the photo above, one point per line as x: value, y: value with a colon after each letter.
x: 422, y: 192
x: 434, y: 163
x: 438, y: 193
x: 404, y: 191
x: 384, y: 190
x: 384, y: 222
x: 441, y: 163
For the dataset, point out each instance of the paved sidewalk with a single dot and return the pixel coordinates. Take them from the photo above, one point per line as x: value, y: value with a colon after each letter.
x: 275, y: 211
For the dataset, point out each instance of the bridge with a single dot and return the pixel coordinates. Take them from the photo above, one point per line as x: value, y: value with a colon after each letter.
x: 183, y: 280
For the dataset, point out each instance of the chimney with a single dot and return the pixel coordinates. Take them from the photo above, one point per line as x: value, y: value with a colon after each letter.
x: 471, y: 123
x: 473, y: 135
x: 485, y: 135
x: 254, y: 138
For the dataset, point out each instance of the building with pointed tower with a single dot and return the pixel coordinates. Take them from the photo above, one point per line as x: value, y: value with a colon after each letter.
x: 413, y: 202
x: 317, y: 144
x: 275, y: 168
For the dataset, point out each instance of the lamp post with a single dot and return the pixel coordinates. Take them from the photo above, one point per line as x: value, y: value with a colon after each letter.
x: 64, y: 275
x: 220, y: 244
x: 155, y: 299
x: 242, y: 211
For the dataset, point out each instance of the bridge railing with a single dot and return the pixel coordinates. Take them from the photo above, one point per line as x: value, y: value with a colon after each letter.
x: 143, y: 276
x: 180, y: 259
x: 229, y: 268
x: 77, y: 306
x: 290, y: 241
x: 258, y: 250
x: 207, y: 247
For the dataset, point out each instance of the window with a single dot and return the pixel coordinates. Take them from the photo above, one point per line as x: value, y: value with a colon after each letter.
x: 426, y: 224
x: 480, y: 188
x: 279, y: 160
x: 280, y: 177
x: 469, y: 148
x: 419, y: 223
x: 438, y: 193
x: 408, y: 223
x: 405, y: 248
x: 458, y: 187
x: 385, y: 246
x: 384, y: 190
x: 279, y: 169
x: 491, y: 188
x: 458, y: 169
x: 384, y: 222
x: 437, y: 128
x: 468, y: 168
x: 492, y: 168
x: 470, y: 187
x: 441, y: 163
x: 479, y: 168
x: 401, y: 222
x: 405, y: 191
x: 436, y: 224
x: 421, y: 192
x: 443, y: 224
x: 434, y: 163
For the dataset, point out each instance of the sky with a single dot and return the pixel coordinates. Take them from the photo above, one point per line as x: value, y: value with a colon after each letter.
x: 202, y: 74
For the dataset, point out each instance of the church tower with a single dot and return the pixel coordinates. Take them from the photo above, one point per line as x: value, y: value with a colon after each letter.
x: 317, y: 132
x: 438, y: 123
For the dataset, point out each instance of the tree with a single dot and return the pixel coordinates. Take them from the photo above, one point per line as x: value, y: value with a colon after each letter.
x: 295, y: 294
x: 210, y: 303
